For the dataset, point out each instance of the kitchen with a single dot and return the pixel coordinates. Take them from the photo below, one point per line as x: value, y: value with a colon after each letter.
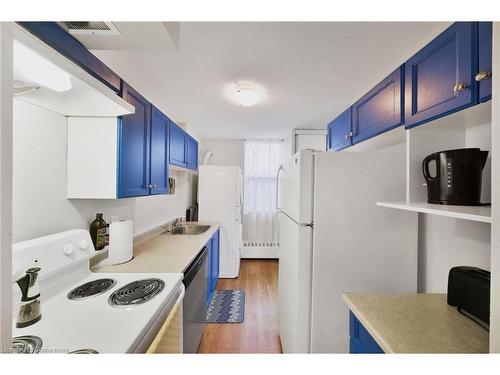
x: 362, y: 223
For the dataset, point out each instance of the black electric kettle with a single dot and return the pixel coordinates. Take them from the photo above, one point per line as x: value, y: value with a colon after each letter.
x: 457, y: 177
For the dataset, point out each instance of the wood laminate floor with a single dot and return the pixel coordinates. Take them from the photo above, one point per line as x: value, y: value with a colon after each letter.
x: 258, y: 333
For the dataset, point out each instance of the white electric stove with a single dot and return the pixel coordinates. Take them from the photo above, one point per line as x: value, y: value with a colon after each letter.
x: 89, y: 312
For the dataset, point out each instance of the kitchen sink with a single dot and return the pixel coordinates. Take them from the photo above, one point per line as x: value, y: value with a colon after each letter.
x: 190, y: 229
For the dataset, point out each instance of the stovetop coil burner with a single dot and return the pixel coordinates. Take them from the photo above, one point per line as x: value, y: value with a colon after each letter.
x: 136, y: 292
x: 84, y: 351
x: 91, y: 289
x: 26, y: 344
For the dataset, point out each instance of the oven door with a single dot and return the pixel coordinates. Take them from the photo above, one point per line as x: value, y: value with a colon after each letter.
x: 169, y: 338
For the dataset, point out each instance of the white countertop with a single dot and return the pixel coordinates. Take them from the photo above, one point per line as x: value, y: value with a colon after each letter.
x: 417, y: 323
x: 164, y: 252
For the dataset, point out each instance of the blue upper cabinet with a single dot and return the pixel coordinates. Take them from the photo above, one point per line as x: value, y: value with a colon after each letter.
x: 159, y: 152
x: 134, y: 150
x: 183, y: 148
x: 484, y: 73
x: 339, y: 132
x: 191, y: 153
x: 177, y: 146
x: 381, y: 109
x: 56, y: 37
x: 440, y: 77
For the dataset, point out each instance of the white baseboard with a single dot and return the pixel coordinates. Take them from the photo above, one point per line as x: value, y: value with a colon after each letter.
x: 259, y: 252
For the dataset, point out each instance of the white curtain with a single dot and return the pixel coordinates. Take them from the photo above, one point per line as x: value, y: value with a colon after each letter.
x: 262, y: 160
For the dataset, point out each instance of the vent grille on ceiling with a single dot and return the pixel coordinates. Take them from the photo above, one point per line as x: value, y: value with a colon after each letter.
x: 90, y: 27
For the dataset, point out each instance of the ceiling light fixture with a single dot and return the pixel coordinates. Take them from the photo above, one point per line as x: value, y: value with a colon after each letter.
x: 245, y: 93
x: 31, y: 67
x: 248, y: 96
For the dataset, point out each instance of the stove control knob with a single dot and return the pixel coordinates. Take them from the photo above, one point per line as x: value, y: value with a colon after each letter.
x: 68, y: 249
x: 83, y: 244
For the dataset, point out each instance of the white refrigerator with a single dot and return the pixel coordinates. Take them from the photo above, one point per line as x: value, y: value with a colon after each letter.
x: 219, y: 200
x: 334, y: 239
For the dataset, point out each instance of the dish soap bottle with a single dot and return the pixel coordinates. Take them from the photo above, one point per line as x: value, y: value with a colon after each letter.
x: 98, y: 232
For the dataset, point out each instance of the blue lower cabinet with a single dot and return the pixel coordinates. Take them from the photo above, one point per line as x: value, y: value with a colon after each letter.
x: 212, y: 265
x: 340, y: 132
x: 361, y: 342
x: 134, y: 147
x: 440, y: 78
x: 381, y: 109
x: 215, y: 258
x: 484, y: 72
x: 208, y: 276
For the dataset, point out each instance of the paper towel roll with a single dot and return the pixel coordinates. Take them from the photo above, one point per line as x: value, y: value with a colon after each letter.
x: 120, y: 242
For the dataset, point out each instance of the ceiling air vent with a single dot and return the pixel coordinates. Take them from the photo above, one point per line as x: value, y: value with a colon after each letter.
x: 90, y: 27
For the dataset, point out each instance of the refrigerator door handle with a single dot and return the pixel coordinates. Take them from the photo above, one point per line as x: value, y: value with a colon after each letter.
x: 277, y: 187
x: 295, y: 221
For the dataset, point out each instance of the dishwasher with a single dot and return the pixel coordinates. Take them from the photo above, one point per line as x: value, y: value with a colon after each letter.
x: 194, y: 308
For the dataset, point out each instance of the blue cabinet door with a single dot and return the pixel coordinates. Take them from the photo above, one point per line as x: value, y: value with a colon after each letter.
x: 56, y: 37
x: 134, y: 153
x: 381, y: 109
x: 208, y: 275
x: 339, y: 132
x: 177, y: 146
x: 485, y: 34
x: 215, y: 260
x: 159, y: 152
x: 360, y: 341
x: 439, y: 78
x: 191, y: 153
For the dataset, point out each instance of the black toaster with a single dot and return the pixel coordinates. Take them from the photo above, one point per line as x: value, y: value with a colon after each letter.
x: 469, y: 291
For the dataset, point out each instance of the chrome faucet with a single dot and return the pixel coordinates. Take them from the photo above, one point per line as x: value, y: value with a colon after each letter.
x: 29, y: 310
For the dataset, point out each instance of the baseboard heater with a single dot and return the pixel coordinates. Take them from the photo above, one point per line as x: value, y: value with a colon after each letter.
x: 260, y: 250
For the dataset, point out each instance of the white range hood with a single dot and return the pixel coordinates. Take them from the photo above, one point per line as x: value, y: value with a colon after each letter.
x: 46, y: 78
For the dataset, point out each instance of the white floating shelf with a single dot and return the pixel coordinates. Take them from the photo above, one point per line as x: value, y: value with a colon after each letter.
x: 474, y: 213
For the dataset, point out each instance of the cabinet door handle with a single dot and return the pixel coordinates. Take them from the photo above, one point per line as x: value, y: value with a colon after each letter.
x: 154, y: 186
x: 459, y: 87
x: 348, y: 135
x: 483, y: 75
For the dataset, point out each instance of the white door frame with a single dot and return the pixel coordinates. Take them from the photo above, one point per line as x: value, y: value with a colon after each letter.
x: 6, y: 29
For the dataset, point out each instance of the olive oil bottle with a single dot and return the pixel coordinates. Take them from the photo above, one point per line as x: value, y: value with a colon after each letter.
x: 98, y: 232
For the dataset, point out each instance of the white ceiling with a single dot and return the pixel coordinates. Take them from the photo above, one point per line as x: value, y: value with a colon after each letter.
x: 311, y: 71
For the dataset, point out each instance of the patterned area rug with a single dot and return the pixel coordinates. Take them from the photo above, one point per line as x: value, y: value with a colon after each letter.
x: 226, y: 306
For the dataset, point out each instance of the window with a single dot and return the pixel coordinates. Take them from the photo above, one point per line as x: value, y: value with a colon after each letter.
x: 262, y: 160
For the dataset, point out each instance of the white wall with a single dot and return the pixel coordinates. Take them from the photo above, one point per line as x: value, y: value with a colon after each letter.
x: 40, y: 205
x: 495, y: 228
x: 225, y: 151
x: 5, y: 184
x: 445, y: 243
